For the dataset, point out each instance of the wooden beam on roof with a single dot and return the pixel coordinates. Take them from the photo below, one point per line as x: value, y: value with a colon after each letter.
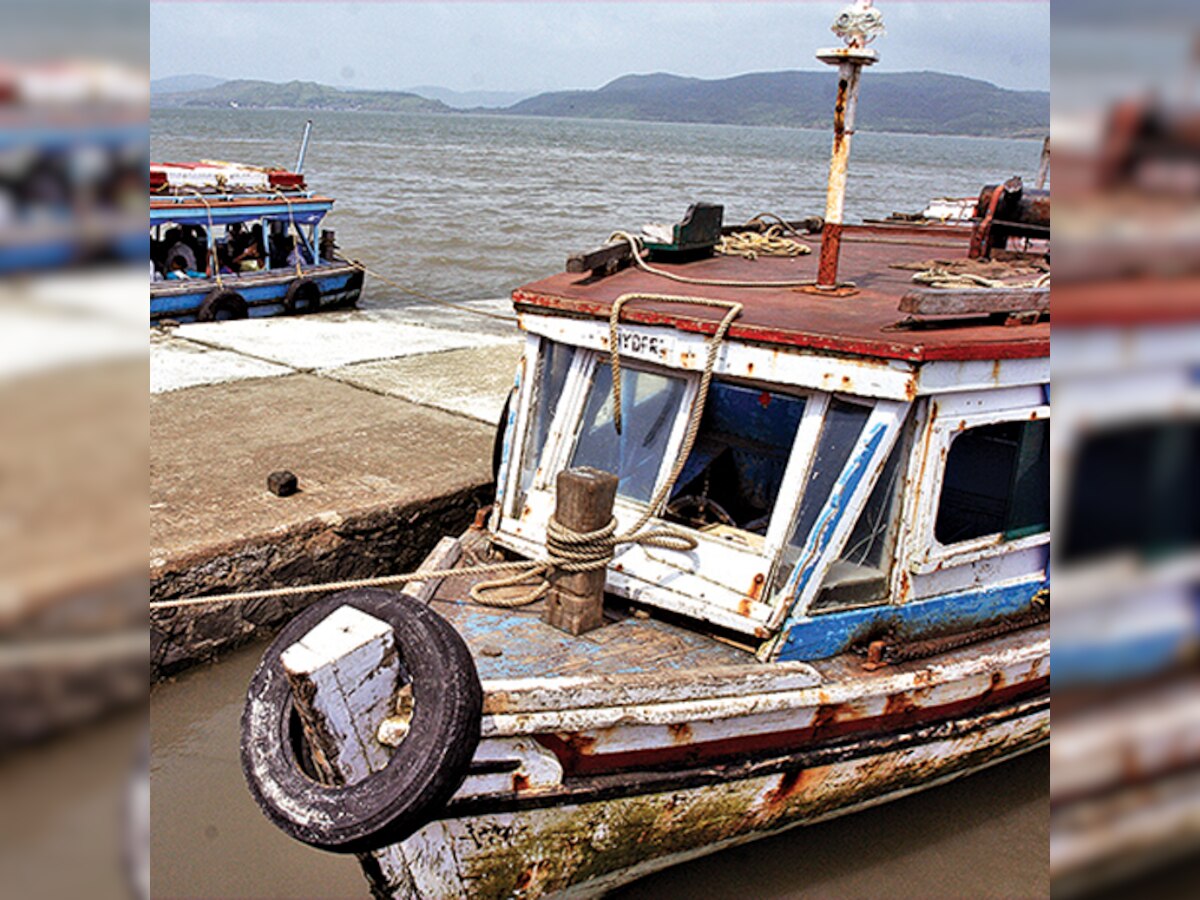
x: 974, y: 301
x: 601, y: 261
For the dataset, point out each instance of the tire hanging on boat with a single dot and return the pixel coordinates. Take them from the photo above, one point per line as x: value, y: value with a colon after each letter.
x: 423, y: 772
x: 303, y: 296
x: 222, y: 304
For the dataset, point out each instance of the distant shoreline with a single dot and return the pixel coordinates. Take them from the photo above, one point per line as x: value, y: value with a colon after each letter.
x: 483, y: 114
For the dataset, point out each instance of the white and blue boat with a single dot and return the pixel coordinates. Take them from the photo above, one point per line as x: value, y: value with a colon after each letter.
x: 231, y: 241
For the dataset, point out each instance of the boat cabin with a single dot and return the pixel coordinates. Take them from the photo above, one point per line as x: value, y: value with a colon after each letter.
x: 857, y: 474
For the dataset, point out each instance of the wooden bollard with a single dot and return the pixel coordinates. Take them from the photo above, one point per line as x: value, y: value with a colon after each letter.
x: 585, y: 498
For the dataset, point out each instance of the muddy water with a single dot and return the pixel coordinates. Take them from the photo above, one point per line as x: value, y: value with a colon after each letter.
x: 984, y: 836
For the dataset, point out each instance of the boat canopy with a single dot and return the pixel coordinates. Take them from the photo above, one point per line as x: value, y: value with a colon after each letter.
x: 225, y: 210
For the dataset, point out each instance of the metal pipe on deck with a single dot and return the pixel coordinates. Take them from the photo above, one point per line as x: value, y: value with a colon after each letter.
x: 858, y: 24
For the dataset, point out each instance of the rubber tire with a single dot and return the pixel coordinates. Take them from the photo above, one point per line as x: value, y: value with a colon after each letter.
x: 303, y: 297
x: 424, y: 771
x: 222, y: 300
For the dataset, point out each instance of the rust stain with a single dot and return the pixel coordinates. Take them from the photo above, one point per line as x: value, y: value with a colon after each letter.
x: 826, y: 716
x: 520, y: 782
x: 898, y: 705
x: 910, y: 390
x: 526, y: 878
x: 998, y: 681
x: 750, y: 368
x: 498, y: 703
x: 755, y: 592
x: 764, y: 399
x: 581, y: 744
x: 996, y: 371
x: 846, y: 382
x: 790, y: 784
x: 744, y: 606
x: 681, y: 733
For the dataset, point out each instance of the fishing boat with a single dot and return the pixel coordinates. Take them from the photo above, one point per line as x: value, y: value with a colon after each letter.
x: 232, y: 241
x: 1125, y: 765
x: 769, y: 545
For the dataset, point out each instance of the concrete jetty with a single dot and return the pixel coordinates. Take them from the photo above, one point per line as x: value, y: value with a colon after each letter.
x: 387, y: 419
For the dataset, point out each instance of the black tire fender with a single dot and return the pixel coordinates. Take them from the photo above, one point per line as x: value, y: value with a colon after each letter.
x: 221, y: 304
x: 424, y: 771
x: 303, y: 296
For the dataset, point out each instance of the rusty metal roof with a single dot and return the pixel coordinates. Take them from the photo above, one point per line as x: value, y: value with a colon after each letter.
x: 863, y: 324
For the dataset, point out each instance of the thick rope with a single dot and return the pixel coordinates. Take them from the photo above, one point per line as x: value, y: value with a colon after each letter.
x: 567, y: 550
x: 753, y: 244
x: 459, y: 306
x: 294, y: 231
x: 937, y: 277
x: 212, y: 247
x: 636, y: 253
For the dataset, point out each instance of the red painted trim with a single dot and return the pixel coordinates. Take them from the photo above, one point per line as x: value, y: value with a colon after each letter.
x: 1031, y: 348
x: 573, y: 749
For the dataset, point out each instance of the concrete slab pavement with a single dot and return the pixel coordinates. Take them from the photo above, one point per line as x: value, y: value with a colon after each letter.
x: 387, y: 422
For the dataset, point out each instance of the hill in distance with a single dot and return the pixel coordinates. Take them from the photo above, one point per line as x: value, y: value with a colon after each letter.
x: 301, y: 95
x: 915, y: 102
x: 930, y: 102
x: 174, y: 84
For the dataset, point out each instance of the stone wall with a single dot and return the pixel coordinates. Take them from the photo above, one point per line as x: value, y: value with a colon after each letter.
x: 380, y: 541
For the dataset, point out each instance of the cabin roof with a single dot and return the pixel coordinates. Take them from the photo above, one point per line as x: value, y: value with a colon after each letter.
x: 863, y: 324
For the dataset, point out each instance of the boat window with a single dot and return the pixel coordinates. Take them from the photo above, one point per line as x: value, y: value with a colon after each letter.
x: 997, y: 481
x: 844, y: 422
x: 651, y: 405
x: 553, y: 363
x: 733, y: 474
x: 1134, y: 489
x: 859, y: 577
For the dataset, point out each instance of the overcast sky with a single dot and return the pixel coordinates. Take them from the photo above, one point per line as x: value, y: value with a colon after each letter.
x: 547, y: 45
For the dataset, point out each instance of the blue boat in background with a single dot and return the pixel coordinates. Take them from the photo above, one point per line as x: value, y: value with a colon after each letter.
x: 231, y: 241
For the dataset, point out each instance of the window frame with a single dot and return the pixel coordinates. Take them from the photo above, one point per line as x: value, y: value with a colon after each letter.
x: 931, y: 553
x: 739, y: 598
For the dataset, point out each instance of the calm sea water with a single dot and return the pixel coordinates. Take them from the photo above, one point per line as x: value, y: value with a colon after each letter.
x: 469, y: 207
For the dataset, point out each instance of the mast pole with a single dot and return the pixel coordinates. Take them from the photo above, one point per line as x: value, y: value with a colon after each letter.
x: 858, y: 24
x: 303, y: 147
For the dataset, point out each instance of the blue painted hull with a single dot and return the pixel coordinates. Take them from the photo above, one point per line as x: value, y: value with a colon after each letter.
x: 264, y: 293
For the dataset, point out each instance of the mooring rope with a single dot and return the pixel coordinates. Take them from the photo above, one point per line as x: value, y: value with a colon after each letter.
x: 567, y: 550
x: 459, y: 306
x: 753, y: 244
x: 211, y: 249
x: 939, y: 277
x: 635, y: 246
x: 294, y: 231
